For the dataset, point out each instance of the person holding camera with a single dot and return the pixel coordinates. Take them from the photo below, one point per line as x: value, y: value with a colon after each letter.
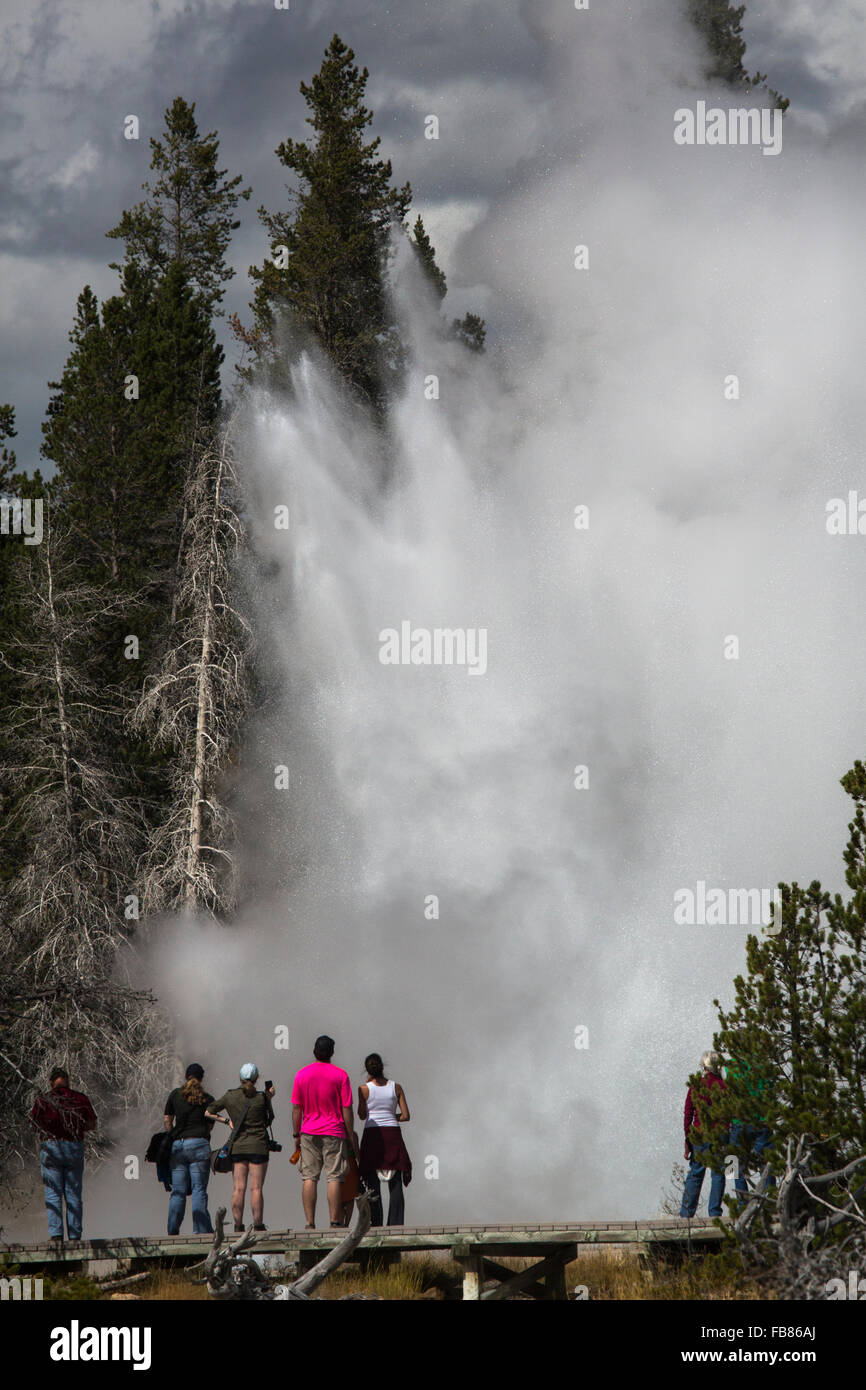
x: 250, y: 1115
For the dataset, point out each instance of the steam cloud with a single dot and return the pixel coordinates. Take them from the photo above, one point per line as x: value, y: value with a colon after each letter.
x: 605, y: 648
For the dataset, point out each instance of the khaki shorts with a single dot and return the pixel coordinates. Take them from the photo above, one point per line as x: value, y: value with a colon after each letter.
x: 326, y: 1151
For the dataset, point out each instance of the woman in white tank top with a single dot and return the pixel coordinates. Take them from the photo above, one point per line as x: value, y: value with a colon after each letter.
x: 383, y: 1108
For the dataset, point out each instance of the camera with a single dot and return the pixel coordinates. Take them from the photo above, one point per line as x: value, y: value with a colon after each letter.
x: 274, y: 1147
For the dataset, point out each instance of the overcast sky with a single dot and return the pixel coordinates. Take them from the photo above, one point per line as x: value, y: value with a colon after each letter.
x: 72, y: 73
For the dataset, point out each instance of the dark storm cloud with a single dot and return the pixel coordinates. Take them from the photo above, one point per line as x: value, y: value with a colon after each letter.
x: 71, y: 75
x: 68, y: 172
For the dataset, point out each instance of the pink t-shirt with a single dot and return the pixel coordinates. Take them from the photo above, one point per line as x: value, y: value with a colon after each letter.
x: 321, y: 1090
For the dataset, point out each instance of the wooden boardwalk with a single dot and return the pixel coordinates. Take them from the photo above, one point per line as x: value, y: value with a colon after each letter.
x: 475, y: 1248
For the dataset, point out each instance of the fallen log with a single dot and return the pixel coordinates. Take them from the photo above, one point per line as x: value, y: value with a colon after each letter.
x: 230, y: 1273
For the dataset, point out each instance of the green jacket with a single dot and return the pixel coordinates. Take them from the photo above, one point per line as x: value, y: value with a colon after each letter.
x: 755, y: 1085
x: 252, y: 1138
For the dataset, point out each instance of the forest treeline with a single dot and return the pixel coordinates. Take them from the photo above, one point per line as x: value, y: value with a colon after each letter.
x: 127, y: 659
x: 125, y: 653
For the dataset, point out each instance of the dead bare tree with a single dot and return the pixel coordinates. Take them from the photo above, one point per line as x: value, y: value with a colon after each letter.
x: 803, y: 1235
x: 65, y: 994
x: 229, y: 1273
x: 232, y: 1274
x: 194, y: 703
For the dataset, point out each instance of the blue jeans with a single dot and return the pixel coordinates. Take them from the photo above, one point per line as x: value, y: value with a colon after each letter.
x: 694, y: 1183
x: 62, y: 1162
x: 759, y: 1138
x: 190, y: 1168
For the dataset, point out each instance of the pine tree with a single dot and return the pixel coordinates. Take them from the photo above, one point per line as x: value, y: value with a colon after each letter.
x: 187, y: 218
x: 848, y: 925
x: 470, y: 330
x: 122, y: 466
x: 796, y: 1034
x: 15, y: 487
x: 10, y: 554
x: 7, y: 455
x: 140, y: 389
x: 427, y: 259
x: 333, y: 271
x: 721, y: 27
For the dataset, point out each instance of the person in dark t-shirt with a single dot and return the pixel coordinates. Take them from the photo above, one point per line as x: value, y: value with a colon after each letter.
x: 190, y: 1151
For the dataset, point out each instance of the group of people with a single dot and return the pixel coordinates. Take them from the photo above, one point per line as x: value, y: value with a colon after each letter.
x: 756, y: 1138
x: 323, y: 1128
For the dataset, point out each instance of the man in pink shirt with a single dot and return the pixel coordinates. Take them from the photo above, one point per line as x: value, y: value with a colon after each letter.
x: 323, y: 1124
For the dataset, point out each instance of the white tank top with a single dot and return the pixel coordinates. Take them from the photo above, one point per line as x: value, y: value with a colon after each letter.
x: 381, y: 1106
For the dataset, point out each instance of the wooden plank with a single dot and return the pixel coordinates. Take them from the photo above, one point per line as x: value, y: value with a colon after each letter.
x: 513, y: 1240
x: 472, y: 1276
x: 504, y: 1274
x: 530, y: 1277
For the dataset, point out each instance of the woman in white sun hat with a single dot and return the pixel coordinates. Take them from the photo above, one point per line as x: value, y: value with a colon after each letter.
x: 250, y: 1114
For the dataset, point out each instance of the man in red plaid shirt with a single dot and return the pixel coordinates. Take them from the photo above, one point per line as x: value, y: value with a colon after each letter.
x: 62, y: 1117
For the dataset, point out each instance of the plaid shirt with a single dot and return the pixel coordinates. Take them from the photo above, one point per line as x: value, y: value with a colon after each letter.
x: 63, y: 1114
x: 704, y: 1095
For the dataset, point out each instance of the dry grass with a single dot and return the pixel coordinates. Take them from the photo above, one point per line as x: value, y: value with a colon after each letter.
x: 170, y: 1286
x: 605, y: 1275
x: 415, y: 1277
x: 608, y: 1277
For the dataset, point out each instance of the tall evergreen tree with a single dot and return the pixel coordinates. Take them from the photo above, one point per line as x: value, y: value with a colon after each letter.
x: 15, y: 487
x: 187, y: 217
x: 332, y: 273
x: 122, y: 466
x: 721, y: 27
x: 7, y: 455
x: 139, y: 391
x: 426, y: 256
x: 470, y: 330
x: 796, y: 1034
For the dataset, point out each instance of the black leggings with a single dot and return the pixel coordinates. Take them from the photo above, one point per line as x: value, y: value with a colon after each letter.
x: 396, y: 1209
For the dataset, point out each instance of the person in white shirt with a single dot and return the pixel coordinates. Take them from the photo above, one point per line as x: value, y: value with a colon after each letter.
x: 383, y: 1107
